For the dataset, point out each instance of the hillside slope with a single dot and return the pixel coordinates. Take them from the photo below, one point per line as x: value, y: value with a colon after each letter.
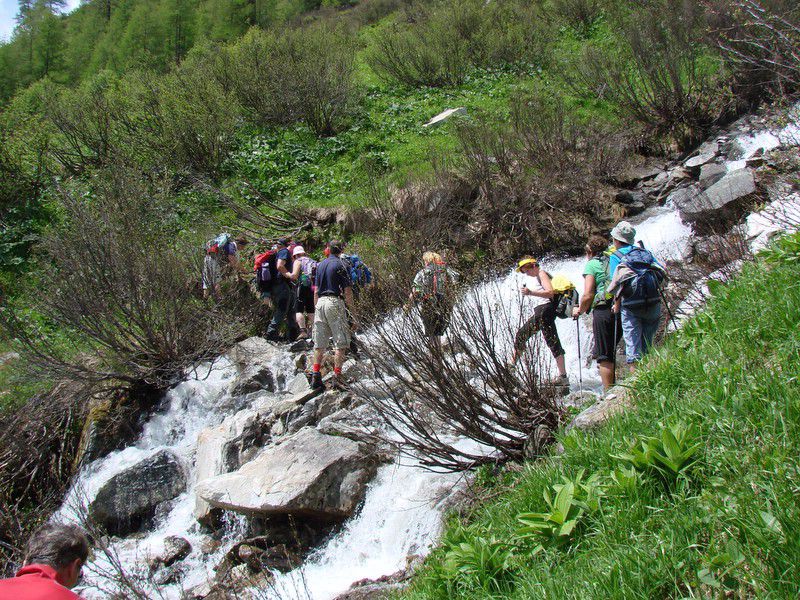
x: 717, y: 517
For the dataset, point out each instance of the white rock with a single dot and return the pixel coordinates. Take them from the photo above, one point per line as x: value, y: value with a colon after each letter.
x: 443, y: 116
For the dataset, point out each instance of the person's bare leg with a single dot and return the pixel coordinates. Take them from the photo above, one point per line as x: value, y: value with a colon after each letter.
x: 338, y: 357
x: 301, y: 321
x: 607, y: 374
x: 561, y: 364
x: 318, y: 354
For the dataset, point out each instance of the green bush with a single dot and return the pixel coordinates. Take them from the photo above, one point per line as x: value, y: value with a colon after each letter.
x: 442, y: 42
x: 567, y: 512
x: 660, y: 72
x: 299, y: 75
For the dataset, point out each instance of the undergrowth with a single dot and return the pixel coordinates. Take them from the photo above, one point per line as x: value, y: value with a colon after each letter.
x: 696, y: 490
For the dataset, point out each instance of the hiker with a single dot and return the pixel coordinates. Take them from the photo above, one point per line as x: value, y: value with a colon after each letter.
x: 281, y: 292
x: 53, y: 561
x: 220, y: 257
x: 333, y: 300
x: 544, y: 315
x: 606, y: 325
x: 432, y: 290
x: 303, y: 273
x: 360, y: 276
x: 635, y: 282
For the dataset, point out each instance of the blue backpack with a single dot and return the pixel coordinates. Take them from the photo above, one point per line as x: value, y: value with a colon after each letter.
x: 360, y: 275
x: 644, y: 287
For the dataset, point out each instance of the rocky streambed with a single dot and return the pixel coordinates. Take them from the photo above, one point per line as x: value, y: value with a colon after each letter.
x: 246, y: 483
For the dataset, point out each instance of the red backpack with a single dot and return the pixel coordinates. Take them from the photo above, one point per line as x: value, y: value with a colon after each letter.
x: 265, y: 265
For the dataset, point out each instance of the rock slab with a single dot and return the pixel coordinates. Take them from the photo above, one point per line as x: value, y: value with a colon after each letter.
x: 129, y: 499
x: 308, y: 474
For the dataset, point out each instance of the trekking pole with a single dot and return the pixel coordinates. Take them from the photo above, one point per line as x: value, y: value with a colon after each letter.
x: 666, y: 305
x: 580, y: 360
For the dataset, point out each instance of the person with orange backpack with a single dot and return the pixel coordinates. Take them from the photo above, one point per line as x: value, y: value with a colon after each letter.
x: 432, y: 290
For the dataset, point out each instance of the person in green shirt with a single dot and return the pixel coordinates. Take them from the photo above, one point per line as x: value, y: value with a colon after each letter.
x: 606, y: 324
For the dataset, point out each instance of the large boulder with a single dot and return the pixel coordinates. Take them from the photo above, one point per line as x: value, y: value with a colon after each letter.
x: 719, y: 206
x: 129, y: 500
x: 308, y: 474
x: 617, y: 400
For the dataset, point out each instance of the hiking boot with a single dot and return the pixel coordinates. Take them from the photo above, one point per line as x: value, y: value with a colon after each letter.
x: 316, y: 381
x: 560, y: 381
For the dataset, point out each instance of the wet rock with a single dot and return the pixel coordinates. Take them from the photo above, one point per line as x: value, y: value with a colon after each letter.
x: 169, y: 575
x: 629, y: 197
x: 222, y: 448
x: 374, y: 589
x: 129, y: 499
x: 176, y: 549
x: 254, y: 350
x: 710, y: 174
x: 308, y: 473
x: 578, y: 399
x: 647, y: 170
x: 299, y: 385
x: 634, y: 209
x: 616, y: 400
x: 722, y: 204
x: 254, y: 378
x: 694, y: 164
x: 359, y: 423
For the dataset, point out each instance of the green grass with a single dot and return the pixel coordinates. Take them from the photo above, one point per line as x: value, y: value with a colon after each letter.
x: 729, y: 524
x: 386, y: 140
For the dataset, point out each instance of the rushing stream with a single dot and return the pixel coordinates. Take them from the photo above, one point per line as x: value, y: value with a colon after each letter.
x: 401, y: 514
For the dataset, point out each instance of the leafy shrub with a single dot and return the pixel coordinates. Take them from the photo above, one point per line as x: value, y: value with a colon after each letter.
x: 546, y: 162
x: 759, y: 40
x: 485, y: 563
x: 299, y: 75
x: 669, y: 456
x: 567, y: 512
x: 443, y: 41
x: 579, y: 14
x: 121, y: 288
x: 662, y: 75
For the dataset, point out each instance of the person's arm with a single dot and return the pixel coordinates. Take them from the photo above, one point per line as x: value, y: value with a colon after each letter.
x: 590, y: 289
x: 295, y: 275
x: 547, y: 292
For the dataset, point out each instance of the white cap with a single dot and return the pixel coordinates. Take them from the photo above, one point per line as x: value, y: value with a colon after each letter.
x: 298, y: 250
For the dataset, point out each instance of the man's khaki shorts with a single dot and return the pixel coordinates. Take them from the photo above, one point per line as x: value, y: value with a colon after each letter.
x: 330, y: 321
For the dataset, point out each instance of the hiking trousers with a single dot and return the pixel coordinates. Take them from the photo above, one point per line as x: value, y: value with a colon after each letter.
x: 639, y: 326
x: 544, y: 320
x: 283, y: 304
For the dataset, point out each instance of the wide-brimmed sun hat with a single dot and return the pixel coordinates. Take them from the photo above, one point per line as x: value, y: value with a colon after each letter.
x: 624, y: 232
x: 298, y: 250
x: 526, y: 262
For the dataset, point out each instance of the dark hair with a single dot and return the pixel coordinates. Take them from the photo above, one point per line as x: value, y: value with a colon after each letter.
x: 336, y: 247
x: 596, y: 244
x: 57, y: 545
x: 283, y: 242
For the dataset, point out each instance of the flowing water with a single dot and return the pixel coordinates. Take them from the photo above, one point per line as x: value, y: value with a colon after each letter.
x: 401, y: 514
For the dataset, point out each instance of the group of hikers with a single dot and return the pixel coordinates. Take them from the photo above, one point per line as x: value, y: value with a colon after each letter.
x: 305, y: 295
x: 316, y: 300
x: 622, y: 291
